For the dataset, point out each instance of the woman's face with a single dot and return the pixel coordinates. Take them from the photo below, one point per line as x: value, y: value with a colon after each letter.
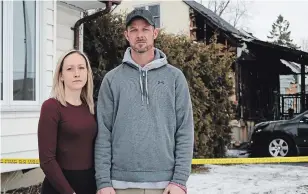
x: 74, y: 72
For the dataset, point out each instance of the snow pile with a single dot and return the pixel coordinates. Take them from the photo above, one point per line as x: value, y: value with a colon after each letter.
x: 251, y: 179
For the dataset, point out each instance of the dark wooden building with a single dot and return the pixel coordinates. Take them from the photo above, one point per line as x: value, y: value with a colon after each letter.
x: 257, y: 68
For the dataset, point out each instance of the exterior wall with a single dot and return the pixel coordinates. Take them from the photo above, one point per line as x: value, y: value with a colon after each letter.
x: 174, y: 14
x: 66, y: 19
x: 19, y: 123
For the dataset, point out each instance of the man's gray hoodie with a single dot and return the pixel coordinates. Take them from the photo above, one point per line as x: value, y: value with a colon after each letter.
x: 145, y: 124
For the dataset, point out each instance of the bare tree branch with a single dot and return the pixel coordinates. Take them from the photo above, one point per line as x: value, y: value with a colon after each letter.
x: 218, y: 6
x: 240, y: 10
x: 215, y: 6
x: 232, y: 11
x: 223, y: 7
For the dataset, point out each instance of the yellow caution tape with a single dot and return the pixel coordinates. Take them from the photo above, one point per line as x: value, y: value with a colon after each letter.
x: 20, y: 161
x: 194, y: 161
x: 251, y: 160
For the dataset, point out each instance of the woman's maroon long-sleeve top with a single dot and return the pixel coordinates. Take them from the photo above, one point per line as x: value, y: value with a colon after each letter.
x: 65, y: 140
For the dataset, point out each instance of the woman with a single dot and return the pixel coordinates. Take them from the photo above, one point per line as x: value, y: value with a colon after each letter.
x: 67, y: 129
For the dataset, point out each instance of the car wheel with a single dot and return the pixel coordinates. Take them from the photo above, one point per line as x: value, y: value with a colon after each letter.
x: 280, y: 147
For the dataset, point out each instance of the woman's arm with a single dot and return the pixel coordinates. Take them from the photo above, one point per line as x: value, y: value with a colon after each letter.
x: 47, y: 144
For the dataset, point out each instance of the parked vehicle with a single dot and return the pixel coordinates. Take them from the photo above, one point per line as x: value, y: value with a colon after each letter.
x: 281, y: 138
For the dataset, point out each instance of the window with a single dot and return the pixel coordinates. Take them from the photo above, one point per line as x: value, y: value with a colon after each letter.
x: 19, y: 68
x: 24, y: 47
x: 304, y: 119
x: 155, y: 10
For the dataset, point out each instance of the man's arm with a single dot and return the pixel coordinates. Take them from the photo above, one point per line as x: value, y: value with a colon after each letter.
x: 184, y: 136
x: 103, y: 140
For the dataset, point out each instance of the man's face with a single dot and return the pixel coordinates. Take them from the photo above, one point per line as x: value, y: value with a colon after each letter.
x: 141, y: 35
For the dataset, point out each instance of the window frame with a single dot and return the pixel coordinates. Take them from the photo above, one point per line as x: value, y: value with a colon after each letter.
x: 146, y: 6
x: 8, y: 103
x: 1, y: 56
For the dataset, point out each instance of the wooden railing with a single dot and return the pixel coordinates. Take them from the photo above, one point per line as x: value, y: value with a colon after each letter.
x: 291, y: 101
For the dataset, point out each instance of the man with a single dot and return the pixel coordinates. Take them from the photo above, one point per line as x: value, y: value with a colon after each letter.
x: 145, y: 119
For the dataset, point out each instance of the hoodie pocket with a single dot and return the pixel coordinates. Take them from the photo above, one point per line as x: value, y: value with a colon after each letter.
x: 144, y: 145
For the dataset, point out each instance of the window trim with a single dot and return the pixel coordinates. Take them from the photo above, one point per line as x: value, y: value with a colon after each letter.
x: 8, y: 103
x: 7, y: 35
x: 146, y: 6
x: 1, y: 56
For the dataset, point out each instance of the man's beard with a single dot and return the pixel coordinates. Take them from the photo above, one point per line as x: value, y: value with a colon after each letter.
x: 143, y: 49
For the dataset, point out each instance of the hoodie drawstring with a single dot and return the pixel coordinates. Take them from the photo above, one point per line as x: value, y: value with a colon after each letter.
x: 146, y: 86
x: 141, y: 85
x: 159, y: 61
x: 142, y: 74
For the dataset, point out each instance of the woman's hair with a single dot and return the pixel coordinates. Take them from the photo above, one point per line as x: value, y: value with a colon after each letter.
x: 58, y: 86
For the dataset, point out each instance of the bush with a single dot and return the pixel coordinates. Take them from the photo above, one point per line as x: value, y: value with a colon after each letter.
x: 207, y: 69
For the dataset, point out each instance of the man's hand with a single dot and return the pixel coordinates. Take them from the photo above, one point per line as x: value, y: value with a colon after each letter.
x: 173, y: 189
x: 106, y: 190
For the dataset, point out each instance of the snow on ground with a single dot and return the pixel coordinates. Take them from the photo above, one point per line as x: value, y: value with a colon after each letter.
x: 251, y: 179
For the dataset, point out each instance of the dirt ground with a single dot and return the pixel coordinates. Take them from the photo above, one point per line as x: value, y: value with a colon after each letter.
x: 35, y: 189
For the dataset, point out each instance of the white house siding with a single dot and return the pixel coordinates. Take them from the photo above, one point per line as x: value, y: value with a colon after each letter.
x: 19, y: 126
x: 19, y: 123
x: 174, y: 15
x: 51, y: 58
x: 66, y: 19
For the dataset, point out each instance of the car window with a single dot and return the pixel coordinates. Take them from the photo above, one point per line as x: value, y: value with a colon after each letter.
x: 305, y: 118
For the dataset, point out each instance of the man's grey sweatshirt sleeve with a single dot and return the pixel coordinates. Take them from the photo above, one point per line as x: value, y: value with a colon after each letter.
x: 184, y: 136
x: 102, y: 148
